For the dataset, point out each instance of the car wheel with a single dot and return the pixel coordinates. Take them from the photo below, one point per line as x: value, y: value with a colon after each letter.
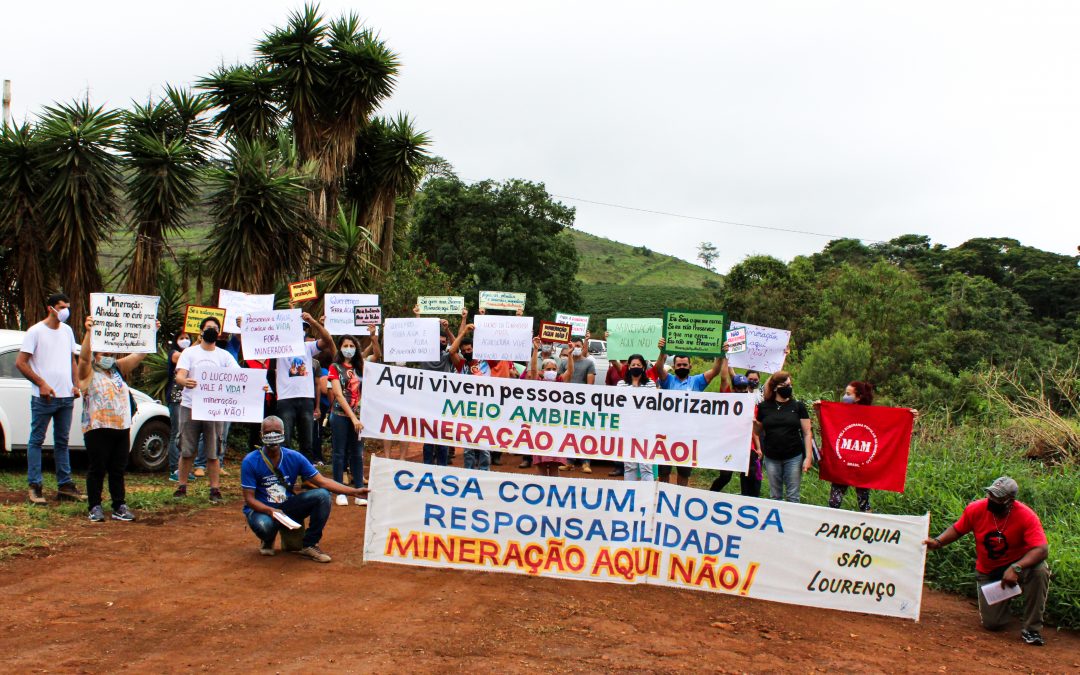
x: 150, y: 452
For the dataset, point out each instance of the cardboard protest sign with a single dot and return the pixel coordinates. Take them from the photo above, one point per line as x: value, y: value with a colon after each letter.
x: 555, y: 332
x: 410, y: 340
x: 229, y: 395
x: 579, y: 323
x: 736, y: 340
x: 644, y: 533
x: 502, y: 300
x: 303, y: 290
x: 125, y: 324
x: 194, y: 315
x: 503, y: 338
x: 340, y: 310
x: 440, y: 304
x: 694, y: 333
x: 766, y: 348
x: 865, y: 445
x: 274, y: 334
x: 237, y: 304
x: 364, y: 315
x: 634, y: 336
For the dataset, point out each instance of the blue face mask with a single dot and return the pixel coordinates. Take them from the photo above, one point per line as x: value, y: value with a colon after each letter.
x: 106, y: 362
x: 848, y: 398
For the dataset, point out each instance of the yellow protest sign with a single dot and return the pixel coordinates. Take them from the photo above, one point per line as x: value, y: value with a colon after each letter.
x: 195, y: 314
x: 303, y: 290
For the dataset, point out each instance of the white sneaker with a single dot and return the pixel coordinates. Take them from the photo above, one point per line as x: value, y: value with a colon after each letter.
x: 341, y: 500
x: 360, y: 501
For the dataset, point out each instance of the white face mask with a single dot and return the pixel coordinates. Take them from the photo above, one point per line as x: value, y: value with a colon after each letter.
x: 577, y: 351
x: 550, y: 375
x: 348, y: 352
x: 63, y: 314
x: 183, y: 343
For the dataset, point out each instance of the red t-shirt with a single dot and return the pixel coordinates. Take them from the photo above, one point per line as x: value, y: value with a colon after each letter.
x: 1019, y: 532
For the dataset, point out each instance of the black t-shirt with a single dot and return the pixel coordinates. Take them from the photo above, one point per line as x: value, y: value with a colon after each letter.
x: 781, y: 433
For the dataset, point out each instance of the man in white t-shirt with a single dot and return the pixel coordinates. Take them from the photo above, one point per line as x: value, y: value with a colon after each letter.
x: 295, y: 386
x: 47, y: 359
x: 205, y: 354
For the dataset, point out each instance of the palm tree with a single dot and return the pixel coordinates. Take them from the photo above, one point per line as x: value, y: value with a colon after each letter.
x: 263, y: 226
x: 244, y: 98
x: 21, y: 227
x: 165, y: 147
x: 347, y: 266
x: 79, y: 199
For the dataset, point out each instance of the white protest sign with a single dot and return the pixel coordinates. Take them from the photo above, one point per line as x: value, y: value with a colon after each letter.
x: 410, y: 340
x: 765, y: 348
x: 503, y: 338
x: 229, y: 395
x: 237, y: 304
x: 340, y: 317
x: 275, y: 334
x: 125, y: 324
x: 736, y: 341
x: 645, y: 533
x: 502, y: 300
x: 650, y: 426
x: 579, y: 324
x: 440, y: 304
x: 366, y: 315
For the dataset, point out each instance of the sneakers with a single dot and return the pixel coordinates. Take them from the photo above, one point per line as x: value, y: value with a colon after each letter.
x: 586, y: 468
x: 360, y: 501
x: 525, y: 464
x: 199, y: 472
x: 69, y: 492
x: 123, y: 514
x: 35, y: 495
x: 97, y: 514
x: 1032, y: 638
x: 174, y: 477
x: 566, y: 467
x: 266, y: 548
x: 181, y: 492
x: 215, y: 496
x: 314, y: 553
x: 341, y: 500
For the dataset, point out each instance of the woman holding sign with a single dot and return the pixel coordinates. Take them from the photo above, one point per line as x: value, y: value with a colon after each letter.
x: 106, y: 424
x: 346, y: 376
x: 549, y: 372
x: 636, y: 375
x: 783, y: 424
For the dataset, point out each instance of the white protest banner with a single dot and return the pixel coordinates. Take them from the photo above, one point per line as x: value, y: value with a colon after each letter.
x: 502, y: 338
x: 275, y: 334
x: 502, y: 300
x: 579, y: 323
x: 229, y: 395
x: 340, y: 314
x: 530, y: 417
x: 410, y: 340
x: 237, y: 304
x: 125, y: 324
x: 440, y: 304
x: 645, y: 533
x: 765, y: 348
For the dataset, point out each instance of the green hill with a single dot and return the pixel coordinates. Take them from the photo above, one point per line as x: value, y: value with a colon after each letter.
x: 603, y: 261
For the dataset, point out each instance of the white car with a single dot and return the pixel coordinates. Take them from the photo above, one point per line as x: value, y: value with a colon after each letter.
x: 149, y: 427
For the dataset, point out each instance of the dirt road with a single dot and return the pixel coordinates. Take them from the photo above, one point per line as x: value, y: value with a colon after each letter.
x: 191, y: 592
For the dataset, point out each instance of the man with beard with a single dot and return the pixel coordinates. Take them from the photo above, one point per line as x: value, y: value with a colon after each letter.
x: 1010, y: 548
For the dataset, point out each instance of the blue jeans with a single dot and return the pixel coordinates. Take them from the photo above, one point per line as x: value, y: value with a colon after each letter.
x: 174, y: 437
x: 478, y: 459
x: 314, y: 504
x: 785, y: 478
x: 438, y: 455
x: 347, y: 447
x: 299, y: 414
x: 57, y: 411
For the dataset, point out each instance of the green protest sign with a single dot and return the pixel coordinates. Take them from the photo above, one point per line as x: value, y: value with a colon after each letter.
x: 694, y: 333
x: 634, y: 336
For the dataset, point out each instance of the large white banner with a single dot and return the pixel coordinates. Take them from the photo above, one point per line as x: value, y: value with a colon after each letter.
x: 275, y: 334
x: 645, y: 533
x: 125, y: 324
x: 410, y: 340
x: 229, y: 395
x: 766, y: 348
x: 236, y: 304
x: 502, y: 338
x: 340, y: 317
x: 527, y: 417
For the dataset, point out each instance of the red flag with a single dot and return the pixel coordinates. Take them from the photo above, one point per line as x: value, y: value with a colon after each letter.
x: 865, y: 445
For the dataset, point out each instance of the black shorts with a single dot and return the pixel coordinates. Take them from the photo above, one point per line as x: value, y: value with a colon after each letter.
x: 665, y: 471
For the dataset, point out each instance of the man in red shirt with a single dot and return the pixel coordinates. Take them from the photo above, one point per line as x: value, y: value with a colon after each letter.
x: 1010, y: 548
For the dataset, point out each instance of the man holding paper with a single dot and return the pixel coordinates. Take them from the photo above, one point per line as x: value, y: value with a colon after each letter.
x: 1010, y: 553
x: 267, y: 476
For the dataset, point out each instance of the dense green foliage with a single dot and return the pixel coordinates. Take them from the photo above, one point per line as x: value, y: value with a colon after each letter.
x: 604, y: 301
x: 603, y: 261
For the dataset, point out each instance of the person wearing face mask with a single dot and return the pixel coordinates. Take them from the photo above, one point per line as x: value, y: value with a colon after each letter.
x: 346, y: 377
x: 439, y: 455
x: 753, y: 379
x: 106, y: 425
x: 206, y: 354
x: 547, y: 370
x: 47, y: 359
x: 1010, y: 548
x: 783, y: 425
x: 635, y: 376
x: 859, y: 393
x: 294, y: 386
x: 584, y: 372
x: 267, y: 477
x: 749, y: 482
x: 173, y: 395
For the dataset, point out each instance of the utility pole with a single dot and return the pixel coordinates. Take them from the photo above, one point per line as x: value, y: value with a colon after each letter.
x: 7, y: 102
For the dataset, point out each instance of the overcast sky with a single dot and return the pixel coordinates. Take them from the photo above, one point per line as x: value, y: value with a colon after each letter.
x: 858, y: 118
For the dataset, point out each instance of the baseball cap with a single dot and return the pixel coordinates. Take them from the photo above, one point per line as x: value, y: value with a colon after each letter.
x: 740, y: 381
x: 1003, y: 488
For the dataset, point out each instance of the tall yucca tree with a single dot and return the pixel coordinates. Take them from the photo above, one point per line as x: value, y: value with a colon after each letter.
x: 347, y: 266
x: 264, y: 229
x: 390, y: 161
x: 165, y: 146
x: 244, y: 99
x: 21, y: 227
x: 79, y: 200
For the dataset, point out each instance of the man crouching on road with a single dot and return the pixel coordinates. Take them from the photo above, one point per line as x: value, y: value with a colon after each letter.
x: 267, y: 476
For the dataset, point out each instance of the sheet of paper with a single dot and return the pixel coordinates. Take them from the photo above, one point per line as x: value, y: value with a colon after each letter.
x: 994, y: 592
x: 286, y: 521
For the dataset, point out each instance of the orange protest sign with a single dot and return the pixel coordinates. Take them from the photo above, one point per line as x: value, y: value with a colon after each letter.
x: 555, y: 332
x: 303, y: 290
